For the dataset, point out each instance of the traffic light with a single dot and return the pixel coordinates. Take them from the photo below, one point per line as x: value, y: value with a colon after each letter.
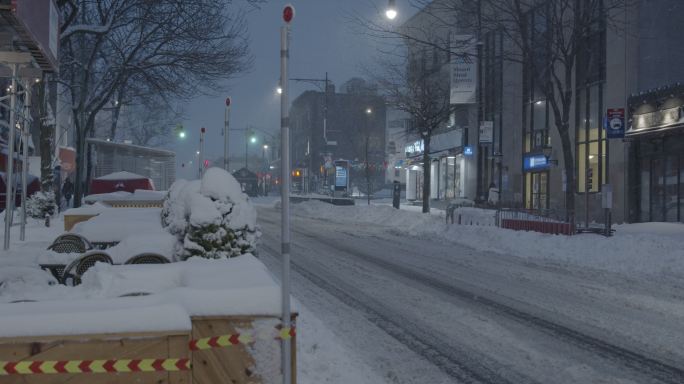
x: 206, y: 163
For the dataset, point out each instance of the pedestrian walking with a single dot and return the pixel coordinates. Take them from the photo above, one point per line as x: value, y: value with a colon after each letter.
x: 67, y: 190
x: 493, y: 195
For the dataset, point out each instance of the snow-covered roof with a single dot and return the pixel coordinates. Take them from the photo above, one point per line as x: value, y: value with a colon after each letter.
x: 122, y: 175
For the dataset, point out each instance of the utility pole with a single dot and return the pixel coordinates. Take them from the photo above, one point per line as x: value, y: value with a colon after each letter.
x: 288, y: 15
x: 9, y: 176
x: 226, y: 133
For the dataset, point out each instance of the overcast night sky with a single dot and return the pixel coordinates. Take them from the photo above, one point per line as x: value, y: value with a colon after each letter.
x: 322, y: 39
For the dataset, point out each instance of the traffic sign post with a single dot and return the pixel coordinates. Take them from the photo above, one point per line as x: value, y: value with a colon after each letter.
x: 615, y: 123
x: 288, y: 15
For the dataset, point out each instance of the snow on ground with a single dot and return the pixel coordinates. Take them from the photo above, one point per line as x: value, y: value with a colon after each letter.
x: 646, y: 249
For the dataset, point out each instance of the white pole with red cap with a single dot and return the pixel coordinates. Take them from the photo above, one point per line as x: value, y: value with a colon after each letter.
x: 288, y: 15
x: 226, y: 134
x: 200, y: 159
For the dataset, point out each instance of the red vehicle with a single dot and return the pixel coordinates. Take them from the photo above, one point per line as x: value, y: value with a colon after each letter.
x: 32, y: 186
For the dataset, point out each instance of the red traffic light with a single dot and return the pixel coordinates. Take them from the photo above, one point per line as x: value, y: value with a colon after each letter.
x: 288, y: 13
x: 206, y: 163
x: 203, y: 130
x: 228, y: 101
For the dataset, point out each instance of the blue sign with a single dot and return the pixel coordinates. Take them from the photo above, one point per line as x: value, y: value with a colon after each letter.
x: 535, y: 162
x: 468, y: 150
x: 340, y: 177
x: 615, y: 123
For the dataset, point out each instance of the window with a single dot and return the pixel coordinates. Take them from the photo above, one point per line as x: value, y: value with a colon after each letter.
x: 591, y: 143
x: 592, y: 152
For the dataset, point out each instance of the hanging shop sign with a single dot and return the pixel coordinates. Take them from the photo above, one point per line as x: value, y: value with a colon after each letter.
x: 487, y: 132
x: 615, y: 123
x: 464, y: 70
x: 535, y: 162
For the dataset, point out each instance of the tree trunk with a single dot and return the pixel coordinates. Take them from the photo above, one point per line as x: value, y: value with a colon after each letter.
x: 80, y: 160
x: 115, y: 120
x: 569, y: 167
x: 426, y: 174
x: 46, y: 139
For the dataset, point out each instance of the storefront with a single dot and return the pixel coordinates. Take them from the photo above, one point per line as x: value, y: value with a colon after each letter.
x: 447, y: 168
x: 657, y: 156
x: 536, y: 187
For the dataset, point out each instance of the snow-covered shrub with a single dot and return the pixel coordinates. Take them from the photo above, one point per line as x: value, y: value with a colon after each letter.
x: 174, y: 214
x: 41, y: 204
x: 212, y: 218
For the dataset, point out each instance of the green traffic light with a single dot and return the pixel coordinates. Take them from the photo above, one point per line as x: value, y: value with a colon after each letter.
x: 181, y: 134
x: 253, y: 139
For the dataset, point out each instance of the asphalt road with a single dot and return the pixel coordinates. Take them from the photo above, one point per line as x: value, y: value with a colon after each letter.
x: 418, y: 310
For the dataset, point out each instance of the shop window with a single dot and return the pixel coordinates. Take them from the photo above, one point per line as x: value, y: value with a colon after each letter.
x: 592, y: 155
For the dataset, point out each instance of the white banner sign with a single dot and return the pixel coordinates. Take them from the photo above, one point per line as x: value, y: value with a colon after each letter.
x: 464, y: 70
x: 487, y: 132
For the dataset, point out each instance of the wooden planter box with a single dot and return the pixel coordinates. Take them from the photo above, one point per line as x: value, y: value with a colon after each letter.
x: 71, y: 220
x: 233, y: 364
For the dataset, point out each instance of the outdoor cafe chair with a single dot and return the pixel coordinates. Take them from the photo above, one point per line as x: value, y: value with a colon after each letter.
x: 78, y: 267
x: 147, y: 258
x: 67, y: 246
x: 76, y: 238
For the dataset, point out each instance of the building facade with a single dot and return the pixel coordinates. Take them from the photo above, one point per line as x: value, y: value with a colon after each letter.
x: 355, y: 122
x: 628, y: 61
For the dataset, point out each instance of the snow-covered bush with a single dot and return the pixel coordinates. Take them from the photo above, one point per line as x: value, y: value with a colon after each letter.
x: 212, y: 218
x: 41, y: 204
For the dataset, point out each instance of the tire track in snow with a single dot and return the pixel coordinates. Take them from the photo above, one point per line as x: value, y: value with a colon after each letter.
x: 464, y: 366
x: 635, y: 361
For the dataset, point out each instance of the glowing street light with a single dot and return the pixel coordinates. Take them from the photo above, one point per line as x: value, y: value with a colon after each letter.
x: 253, y: 139
x: 265, y: 146
x: 279, y: 90
x: 181, y: 134
x: 369, y: 111
x: 391, y: 11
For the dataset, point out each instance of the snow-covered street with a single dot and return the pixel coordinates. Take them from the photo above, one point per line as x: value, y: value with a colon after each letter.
x: 426, y: 309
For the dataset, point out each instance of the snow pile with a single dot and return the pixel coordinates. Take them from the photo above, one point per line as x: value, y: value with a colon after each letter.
x: 647, y: 249
x: 176, y: 291
x: 212, y: 218
x: 115, y: 224
x: 41, y: 204
x: 137, y: 195
x: 14, y: 279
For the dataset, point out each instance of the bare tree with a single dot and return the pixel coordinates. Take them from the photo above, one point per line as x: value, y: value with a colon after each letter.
x: 174, y: 47
x: 150, y: 122
x: 422, y: 92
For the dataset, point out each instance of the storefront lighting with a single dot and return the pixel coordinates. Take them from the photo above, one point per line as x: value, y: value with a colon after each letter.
x: 451, y: 157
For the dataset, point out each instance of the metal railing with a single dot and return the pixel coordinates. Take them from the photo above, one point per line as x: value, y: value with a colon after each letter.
x: 537, y: 220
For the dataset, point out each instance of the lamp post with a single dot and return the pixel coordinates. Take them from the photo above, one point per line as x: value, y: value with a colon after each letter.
x: 250, y: 137
x: 391, y: 11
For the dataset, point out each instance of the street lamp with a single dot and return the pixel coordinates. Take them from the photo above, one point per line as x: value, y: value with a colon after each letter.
x: 391, y: 11
x: 369, y: 111
x: 279, y: 90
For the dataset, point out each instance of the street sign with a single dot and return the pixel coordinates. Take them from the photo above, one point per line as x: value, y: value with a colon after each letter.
x: 288, y: 13
x: 228, y: 101
x: 486, y: 132
x: 615, y: 123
